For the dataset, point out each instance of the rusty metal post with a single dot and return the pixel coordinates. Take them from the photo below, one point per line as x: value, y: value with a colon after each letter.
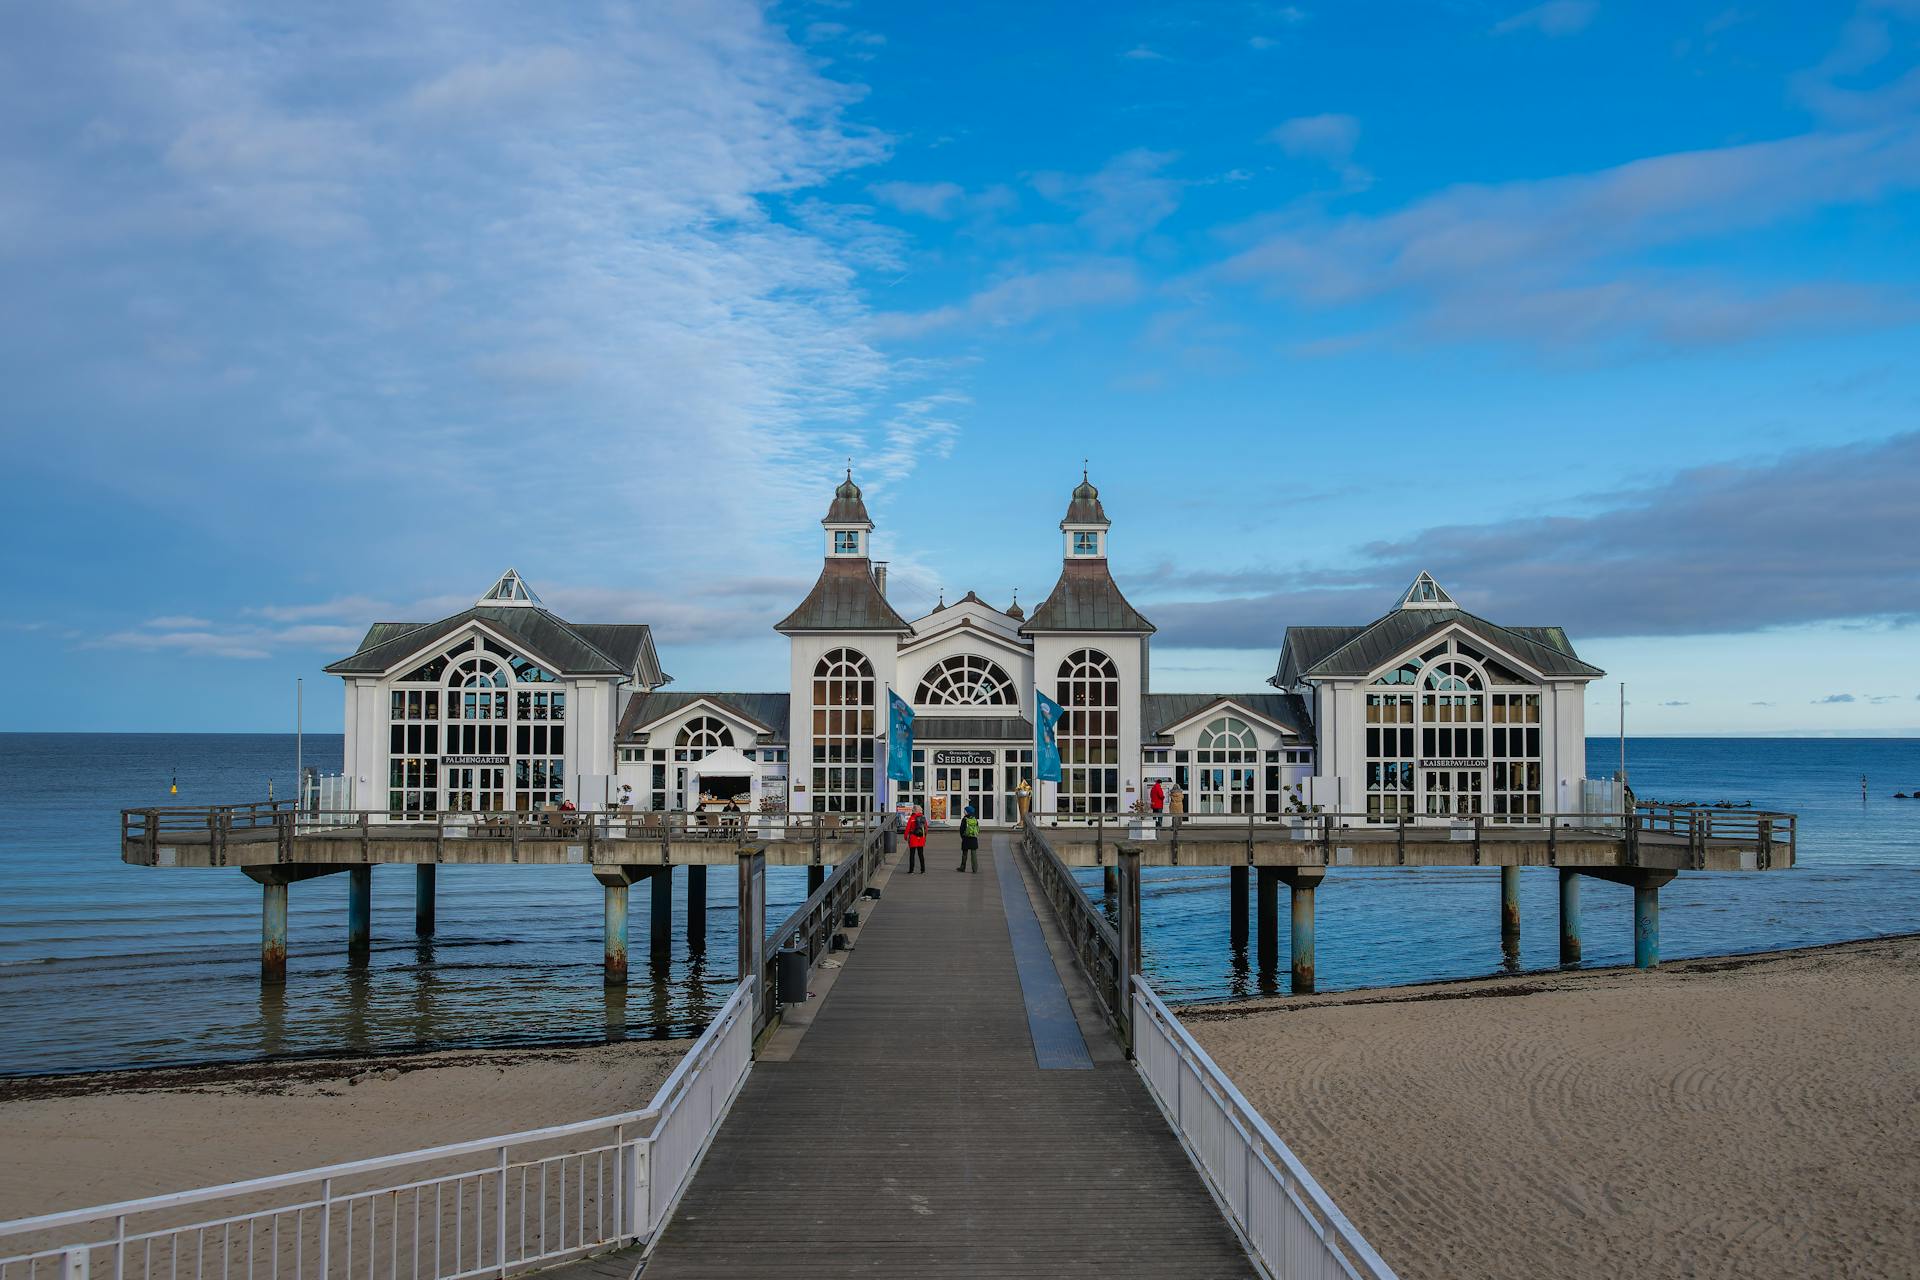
x: 1510, y: 910
x: 423, y: 876
x: 359, y: 913
x: 1302, y: 889
x: 1237, y: 908
x: 273, y: 933
x: 1646, y: 923
x: 1129, y: 930
x: 660, y: 918
x: 1110, y: 882
x: 1269, y: 948
x: 616, y: 933
x: 697, y: 909
x: 1569, y: 916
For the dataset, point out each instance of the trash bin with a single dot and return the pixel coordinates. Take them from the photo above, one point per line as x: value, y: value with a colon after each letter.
x: 850, y: 919
x: 790, y: 981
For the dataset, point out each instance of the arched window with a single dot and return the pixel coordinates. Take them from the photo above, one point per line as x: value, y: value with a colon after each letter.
x: 1228, y: 761
x: 700, y: 737
x: 1453, y: 677
x: 1089, y: 733
x: 843, y: 732
x: 966, y: 680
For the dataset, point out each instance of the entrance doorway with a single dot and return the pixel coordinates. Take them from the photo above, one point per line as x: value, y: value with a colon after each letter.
x: 1455, y: 792
x: 477, y: 788
x: 961, y: 785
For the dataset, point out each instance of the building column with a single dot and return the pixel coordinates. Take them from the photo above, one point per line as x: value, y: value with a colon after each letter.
x: 1269, y: 948
x: 1302, y: 881
x: 660, y: 922
x: 1510, y: 910
x: 1569, y: 916
x: 1237, y: 908
x: 359, y: 912
x: 423, y: 900
x: 273, y: 932
x: 696, y: 909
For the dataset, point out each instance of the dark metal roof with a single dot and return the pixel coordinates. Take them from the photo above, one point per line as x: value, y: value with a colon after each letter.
x: 1159, y: 711
x: 1310, y: 652
x: 848, y: 506
x: 1086, y: 599
x: 1085, y: 506
x: 766, y: 709
x: 928, y: 728
x: 845, y: 598
x: 591, y: 649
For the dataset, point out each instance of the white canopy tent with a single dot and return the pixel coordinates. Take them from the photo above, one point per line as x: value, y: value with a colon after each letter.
x: 726, y: 763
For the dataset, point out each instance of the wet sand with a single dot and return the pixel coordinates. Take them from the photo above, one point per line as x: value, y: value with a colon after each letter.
x: 74, y: 1141
x: 1751, y: 1117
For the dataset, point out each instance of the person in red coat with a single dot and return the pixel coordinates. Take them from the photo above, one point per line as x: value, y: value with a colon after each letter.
x: 916, y: 841
x: 1157, y: 801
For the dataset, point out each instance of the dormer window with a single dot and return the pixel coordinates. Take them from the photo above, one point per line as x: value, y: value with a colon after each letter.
x: 1086, y: 543
x: 846, y: 542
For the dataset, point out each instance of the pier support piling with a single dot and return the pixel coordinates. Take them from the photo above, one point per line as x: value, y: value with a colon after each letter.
x: 273, y: 933
x: 1237, y: 908
x: 1110, y: 883
x: 616, y: 933
x: 359, y: 912
x: 1646, y: 924
x: 660, y: 921
x: 1510, y: 911
x: 1269, y: 948
x: 1569, y: 916
x: 423, y: 900
x: 696, y: 909
x: 1301, y: 882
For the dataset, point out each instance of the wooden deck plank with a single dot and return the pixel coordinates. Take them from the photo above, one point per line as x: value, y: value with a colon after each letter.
x: 913, y: 1132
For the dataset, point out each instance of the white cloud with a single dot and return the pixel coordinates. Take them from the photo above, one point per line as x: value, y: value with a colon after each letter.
x: 1024, y: 297
x: 1554, y: 18
x: 1329, y: 138
x: 1121, y: 201
x: 928, y: 199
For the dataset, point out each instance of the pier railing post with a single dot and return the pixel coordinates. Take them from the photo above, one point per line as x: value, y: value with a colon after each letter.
x: 753, y: 930
x: 1129, y: 871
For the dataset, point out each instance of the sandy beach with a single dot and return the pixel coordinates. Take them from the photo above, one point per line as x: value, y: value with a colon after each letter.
x: 1748, y: 1117
x: 73, y: 1141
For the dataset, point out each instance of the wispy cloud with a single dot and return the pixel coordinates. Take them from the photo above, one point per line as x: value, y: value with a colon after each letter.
x: 1024, y: 297
x: 1554, y: 18
x: 928, y: 199
x: 1122, y: 200
x: 1834, y: 698
x: 1328, y: 138
x: 1573, y: 260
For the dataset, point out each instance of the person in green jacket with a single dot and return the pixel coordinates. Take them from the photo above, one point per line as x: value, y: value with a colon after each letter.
x: 969, y: 840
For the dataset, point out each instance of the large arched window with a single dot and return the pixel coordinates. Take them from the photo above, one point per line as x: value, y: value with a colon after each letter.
x: 966, y: 680
x: 700, y: 737
x: 1229, y: 767
x: 1089, y: 733
x: 843, y: 733
x: 484, y: 722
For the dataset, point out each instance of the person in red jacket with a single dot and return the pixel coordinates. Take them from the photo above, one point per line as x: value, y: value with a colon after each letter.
x: 916, y: 841
x: 1157, y: 801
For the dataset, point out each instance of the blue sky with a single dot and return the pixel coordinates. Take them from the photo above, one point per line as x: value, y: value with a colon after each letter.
x: 1604, y: 313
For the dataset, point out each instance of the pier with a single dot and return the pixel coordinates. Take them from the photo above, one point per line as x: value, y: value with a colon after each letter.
x: 1642, y: 851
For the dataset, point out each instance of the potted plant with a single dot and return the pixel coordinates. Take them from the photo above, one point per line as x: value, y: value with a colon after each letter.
x: 1140, y: 821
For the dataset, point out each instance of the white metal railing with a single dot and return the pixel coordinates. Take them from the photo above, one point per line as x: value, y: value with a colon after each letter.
x: 1288, y: 1222
x: 486, y: 1207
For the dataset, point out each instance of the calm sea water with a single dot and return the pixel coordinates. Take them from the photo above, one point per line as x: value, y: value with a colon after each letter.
x: 105, y: 965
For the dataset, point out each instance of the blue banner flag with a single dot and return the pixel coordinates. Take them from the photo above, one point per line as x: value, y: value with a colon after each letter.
x: 1046, y: 750
x: 899, y: 738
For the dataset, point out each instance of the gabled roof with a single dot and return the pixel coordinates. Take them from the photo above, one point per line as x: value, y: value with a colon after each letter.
x: 844, y: 598
x: 1086, y: 599
x: 765, y: 711
x: 603, y: 649
x: 1325, y: 653
x: 1160, y: 712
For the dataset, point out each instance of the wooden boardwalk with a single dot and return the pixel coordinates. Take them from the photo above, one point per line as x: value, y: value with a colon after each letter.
x: 913, y: 1132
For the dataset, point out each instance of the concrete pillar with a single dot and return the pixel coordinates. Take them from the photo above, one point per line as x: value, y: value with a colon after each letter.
x: 1569, y: 916
x: 359, y: 912
x: 1646, y: 923
x: 423, y: 900
x: 816, y: 876
x: 696, y: 909
x: 273, y: 933
x: 1302, y: 934
x: 660, y: 921
x: 1237, y: 907
x: 1269, y: 949
x: 1510, y: 912
x: 616, y: 932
